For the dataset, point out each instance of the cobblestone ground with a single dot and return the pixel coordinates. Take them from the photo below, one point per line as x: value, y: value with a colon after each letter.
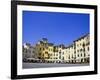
x: 45, y: 65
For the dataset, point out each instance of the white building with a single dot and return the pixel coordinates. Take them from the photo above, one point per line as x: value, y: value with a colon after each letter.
x: 29, y: 51
x: 82, y: 49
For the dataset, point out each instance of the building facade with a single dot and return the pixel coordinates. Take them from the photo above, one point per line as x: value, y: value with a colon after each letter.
x: 29, y: 52
x: 77, y: 52
x: 44, y: 50
x: 82, y: 49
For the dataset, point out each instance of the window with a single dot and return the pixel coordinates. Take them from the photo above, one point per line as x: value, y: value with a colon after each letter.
x: 84, y: 49
x: 39, y: 53
x: 46, y: 47
x: 59, y: 57
x: 84, y: 54
x: 83, y: 45
x: 25, y: 50
x: 69, y: 57
x: 88, y: 48
x: 80, y: 50
x: 78, y: 55
x: 72, y: 56
x: 75, y: 52
x: 81, y: 54
x: 62, y: 58
x: 46, y: 52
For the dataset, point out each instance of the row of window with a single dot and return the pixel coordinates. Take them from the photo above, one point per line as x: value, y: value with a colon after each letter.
x: 63, y: 52
x: 53, y: 54
x: 83, y: 44
x: 62, y: 57
x: 28, y: 51
x: 81, y: 55
x: 54, y: 58
x: 44, y: 49
x: 80, y: 50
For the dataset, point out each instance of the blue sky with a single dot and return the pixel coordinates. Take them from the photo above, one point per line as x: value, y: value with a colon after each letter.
x: 57, y: 27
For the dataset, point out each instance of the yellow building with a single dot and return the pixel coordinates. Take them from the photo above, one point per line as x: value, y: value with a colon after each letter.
x: 44, y: 50
x: 40, y: 47
x: 49, y: 53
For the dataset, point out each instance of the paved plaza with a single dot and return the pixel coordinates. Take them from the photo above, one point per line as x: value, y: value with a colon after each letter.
x: 45, y: 65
